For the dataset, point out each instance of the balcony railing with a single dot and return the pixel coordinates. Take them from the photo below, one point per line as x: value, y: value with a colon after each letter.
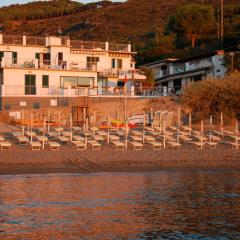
x: 12, y: 39
x: 118, y: 47
x: 87, y: 45
x: 36, y: 41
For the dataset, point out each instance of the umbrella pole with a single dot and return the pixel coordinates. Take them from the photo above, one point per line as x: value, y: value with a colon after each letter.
x: 49, y: 114
x: 59, y: 118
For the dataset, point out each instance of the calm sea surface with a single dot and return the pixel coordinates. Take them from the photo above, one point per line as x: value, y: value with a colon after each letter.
x: 161, y: 205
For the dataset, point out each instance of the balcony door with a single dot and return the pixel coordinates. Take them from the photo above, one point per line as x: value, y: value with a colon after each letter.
x: 30, y: 84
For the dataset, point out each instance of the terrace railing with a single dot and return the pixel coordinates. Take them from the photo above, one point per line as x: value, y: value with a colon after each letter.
x: 12, y: 39
x: 35, y: 41
x: 87, y: 45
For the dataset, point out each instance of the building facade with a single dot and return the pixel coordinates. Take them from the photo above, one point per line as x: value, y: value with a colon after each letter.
x: 173, y: 75
x: 38, y: 67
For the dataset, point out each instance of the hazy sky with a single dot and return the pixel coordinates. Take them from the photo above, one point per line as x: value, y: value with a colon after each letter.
x: 8, y: 2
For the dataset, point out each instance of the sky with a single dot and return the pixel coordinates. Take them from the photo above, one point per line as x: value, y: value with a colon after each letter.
x: 8, y: 2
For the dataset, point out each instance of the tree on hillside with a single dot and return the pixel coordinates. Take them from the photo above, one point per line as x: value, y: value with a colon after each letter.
x: 193, y: 22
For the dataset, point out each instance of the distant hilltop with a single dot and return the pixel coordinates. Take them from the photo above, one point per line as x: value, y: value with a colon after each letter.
x: 134, y: 20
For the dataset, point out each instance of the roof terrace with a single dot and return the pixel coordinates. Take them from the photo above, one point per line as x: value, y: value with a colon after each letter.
x: 63, y: 41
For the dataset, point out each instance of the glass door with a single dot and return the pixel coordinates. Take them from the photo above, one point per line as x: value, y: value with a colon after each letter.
x: 30, y: 84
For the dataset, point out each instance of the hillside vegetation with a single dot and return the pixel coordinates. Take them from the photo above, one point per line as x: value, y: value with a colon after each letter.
x: 142, y: 22
x: 213, y: 96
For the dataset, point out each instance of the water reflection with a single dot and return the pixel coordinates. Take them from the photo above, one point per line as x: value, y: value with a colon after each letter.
x: 164, y: 205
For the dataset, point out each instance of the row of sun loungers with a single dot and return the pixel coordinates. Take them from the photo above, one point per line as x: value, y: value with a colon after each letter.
x: 158, y: 139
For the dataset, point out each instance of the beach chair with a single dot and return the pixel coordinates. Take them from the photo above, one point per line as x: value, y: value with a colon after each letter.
x: 185, y: 139
x: 81, y: 145
x: 2, y: 139
x: 136, y: 145
x: 113, y: 138
x: 94, y: 144
x: 35, y: 145
x: 136, y: 138
x: 235, y: 145
x: 120, y: 133
x: 118, y: 145
x: 174, y: 145
x: 156, y: 145
x: 98, y: 138
x: 42, y: 138
x: 199, y: 145
x: 66, y: 133
x: 5, y: 145
x: 16, y: 134
x: 63, y: 140
x: 22, y: 140
x: 211, y: 145
x: 54, y: 145
x: 52, y: 135
x: 149, y: 138
x: 78, y: 138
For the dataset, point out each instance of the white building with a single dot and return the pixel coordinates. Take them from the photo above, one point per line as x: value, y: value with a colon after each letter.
x: 175, y: 74
x: 57, y: 66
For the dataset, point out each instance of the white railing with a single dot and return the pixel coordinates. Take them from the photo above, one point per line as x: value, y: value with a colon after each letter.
x: 18, y: 91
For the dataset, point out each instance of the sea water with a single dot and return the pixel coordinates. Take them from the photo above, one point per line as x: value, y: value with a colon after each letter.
x: 158, y: 205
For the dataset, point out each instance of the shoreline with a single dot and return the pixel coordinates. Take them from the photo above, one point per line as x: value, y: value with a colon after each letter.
x: 22, y: 160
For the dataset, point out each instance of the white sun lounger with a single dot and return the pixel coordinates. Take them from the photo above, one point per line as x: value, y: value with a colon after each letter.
x: 185, y: 138
x: 63, y: 139
x: 94, y: 144
x: 54, y: 145
x: 211, y: 144
x: 235, y: 145
x: 22, y: 140
x: 136, y: 145
x: 66, y: 133
x: 200, y: 145
x: 80, y: 145
x: 16, y: 134
x: 156, y: 145
x: 5, y: 145
x: 98, y: 138
x: 118, y: 145
x: 78, y: 138
x: 42, y: 138
x: 52, y: 135
x: 35, y: 145
x: 2, y: 139
x: 113, y: 138
x: 136, y: 138
x: 174, y: 144
x: 149, y: 139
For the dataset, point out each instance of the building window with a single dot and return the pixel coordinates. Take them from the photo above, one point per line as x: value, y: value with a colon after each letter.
x: 76, y: 82
x: 37, y: 56
x: 218, y: 70
x: 117, y: 63
x: 30, y: 84
x: 1, y: 55
x: 60, y: 58
x: 45, y: 81
x: 14, y: 57
x: 92, y: 62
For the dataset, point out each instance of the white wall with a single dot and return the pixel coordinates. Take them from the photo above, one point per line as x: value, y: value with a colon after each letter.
x: 16, y: 77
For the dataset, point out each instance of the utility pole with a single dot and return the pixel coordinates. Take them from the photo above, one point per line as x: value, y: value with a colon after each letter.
x: 222, y: 23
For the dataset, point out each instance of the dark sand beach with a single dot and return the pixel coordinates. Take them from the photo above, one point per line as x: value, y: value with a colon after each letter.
x: 22, y: 160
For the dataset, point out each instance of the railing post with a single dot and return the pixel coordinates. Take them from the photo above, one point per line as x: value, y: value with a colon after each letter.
x: 106, y: 46
x: 129, y: 47
x: 24, y: 40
